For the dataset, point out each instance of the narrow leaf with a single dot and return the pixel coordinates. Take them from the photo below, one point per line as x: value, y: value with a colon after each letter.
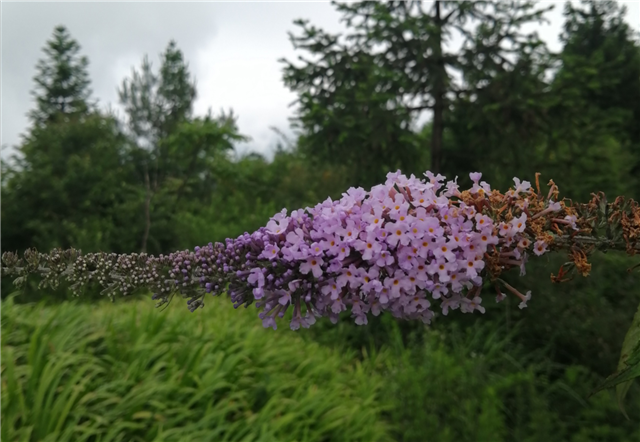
x: 628, y: 365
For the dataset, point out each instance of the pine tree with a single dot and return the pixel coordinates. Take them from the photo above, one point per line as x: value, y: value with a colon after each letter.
x: 597, y: 93
x: 69, y: 181
x: 393, y: 64
x: 62, y: 81
x: 155, y: 104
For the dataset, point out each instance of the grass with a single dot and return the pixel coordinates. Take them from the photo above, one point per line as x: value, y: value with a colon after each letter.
x: 127, y: 372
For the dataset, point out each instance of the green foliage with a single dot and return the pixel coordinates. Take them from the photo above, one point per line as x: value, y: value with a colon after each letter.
x: 629, y: 364
x: 192, y: 156
x: 483, y: 379
x: 481, y: 384
x: 62, y: 81
x: 69, y: 186
x: 127, y: 372
x: 156, y: 103
x: 360, y: 95
x: 594, y: 110
x: 172, y: 180
x: 249, y: 190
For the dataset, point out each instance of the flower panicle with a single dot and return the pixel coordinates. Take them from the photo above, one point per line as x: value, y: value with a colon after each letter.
x: 405, y: 247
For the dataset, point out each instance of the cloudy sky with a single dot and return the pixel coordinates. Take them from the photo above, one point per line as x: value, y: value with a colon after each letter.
x: 232, y: 49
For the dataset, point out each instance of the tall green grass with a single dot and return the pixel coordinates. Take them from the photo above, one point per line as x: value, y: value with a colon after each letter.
x: 127, y: 372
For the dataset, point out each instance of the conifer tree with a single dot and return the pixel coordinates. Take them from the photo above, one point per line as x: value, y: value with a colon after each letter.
x: 62, y: 81
x: 598, y: 86
x: 394, y: 61
x: 69, y: 179
x: 156, y: 102
x: 155, y: 105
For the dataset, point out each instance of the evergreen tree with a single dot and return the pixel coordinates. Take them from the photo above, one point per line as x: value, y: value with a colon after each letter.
x: 597, y: 91
x: 69, y: 187
x: 155, y: 104
x: 395, y: 60
x: 62, y: 81
x: 175, y: 153
x: 69, y: 182
x: 500, y: 127
x: 578, y: 124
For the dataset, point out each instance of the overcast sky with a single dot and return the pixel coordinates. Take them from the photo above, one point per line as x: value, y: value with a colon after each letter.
x: 232, y: 50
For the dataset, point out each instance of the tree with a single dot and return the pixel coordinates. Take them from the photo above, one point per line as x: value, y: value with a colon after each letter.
x: 569, y: 117
x: 155, y: 104
x: 175, y: 153
x: 62, y: 81
x: 68, y: 182
x: 195, y: 148
x: 395, y: 59
x: 347, y: 118
x: 597, y: 88
x: 68, y: 186
x: 499, y: 128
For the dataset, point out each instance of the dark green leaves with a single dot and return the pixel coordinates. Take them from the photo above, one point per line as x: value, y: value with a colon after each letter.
x: 629, y: 364
x: 361, y: 94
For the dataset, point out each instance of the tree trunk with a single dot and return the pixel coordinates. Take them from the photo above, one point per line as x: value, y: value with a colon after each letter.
x: 438, y: 95
x: 147, y: 212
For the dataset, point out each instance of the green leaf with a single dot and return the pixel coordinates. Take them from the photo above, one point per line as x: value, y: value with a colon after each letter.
x: 628, y: 365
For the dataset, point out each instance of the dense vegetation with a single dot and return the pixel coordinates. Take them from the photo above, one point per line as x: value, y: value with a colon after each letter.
x: 163, y: 179
x: 123, y: 372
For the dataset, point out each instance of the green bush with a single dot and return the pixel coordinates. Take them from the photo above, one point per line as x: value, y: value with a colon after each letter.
x: 479, y: 379
x: 479, y: 384
x: 112, y: 372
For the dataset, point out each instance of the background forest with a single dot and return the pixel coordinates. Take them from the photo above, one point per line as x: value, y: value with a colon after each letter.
x: 158, y: 179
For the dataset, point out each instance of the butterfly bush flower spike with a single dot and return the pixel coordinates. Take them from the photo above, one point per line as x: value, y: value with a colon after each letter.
x: 410, y: 247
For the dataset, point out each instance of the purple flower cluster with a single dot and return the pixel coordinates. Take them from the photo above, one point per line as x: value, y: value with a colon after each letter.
x: 398, y: 248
